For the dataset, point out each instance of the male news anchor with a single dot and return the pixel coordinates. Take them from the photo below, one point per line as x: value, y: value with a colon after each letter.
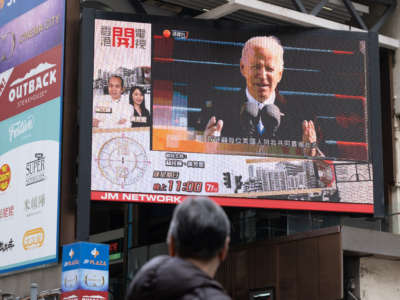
x: 113, y: 111
x: 265, y: 113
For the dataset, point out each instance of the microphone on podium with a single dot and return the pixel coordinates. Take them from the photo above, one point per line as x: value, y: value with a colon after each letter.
x: 271, y: 118
x: 249, y: 117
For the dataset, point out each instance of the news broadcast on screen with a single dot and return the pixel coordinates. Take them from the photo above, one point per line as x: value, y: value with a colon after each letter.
x: 273, y: 118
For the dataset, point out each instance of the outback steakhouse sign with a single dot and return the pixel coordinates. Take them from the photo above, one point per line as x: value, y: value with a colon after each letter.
x: 30, y: 84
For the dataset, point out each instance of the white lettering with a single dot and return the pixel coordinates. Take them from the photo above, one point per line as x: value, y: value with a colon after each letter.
x: 45, y: 82
x: 38, y: 83
x: 20, y: 127
x: 11, y: 95
x: 152, y: 198
x: 33, y: 85
x: 19, y: 92
x: 25, y: 87
x: 53, y: 76
x: 92, y: 298
x: 113, y: 196
x: 177, y: 199
x: 141, y: 197
x: 109, y: 196
x: 126, y: 197
x: 10, y: 3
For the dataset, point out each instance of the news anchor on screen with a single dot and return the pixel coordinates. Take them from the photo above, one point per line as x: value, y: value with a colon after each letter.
x: 113, y: 110
x: 141, y: 115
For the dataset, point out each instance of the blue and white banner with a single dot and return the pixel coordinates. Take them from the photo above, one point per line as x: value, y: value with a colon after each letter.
x: 85, y: 267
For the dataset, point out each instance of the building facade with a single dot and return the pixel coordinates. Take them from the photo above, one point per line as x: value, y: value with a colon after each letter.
x: 292, y: 254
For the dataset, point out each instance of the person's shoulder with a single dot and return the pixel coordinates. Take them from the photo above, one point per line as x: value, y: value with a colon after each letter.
x: 208, y: 289
x: 102, y: 99
x: 152, y: 265
x: 207, y: 292
x: 144, y: 279
x: 125, y: 99
x: 216, y: 294
x: 155, y: 262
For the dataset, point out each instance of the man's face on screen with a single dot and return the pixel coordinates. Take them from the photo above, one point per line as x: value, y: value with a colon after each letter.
x: 115, y: 88
x: 262, y: 70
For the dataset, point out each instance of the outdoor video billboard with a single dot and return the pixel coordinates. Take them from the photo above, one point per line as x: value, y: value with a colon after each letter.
x: 31, y: 76
x: 180, y: 109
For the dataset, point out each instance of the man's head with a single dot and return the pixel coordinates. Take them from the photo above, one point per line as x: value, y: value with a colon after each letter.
x: 262, y: 66
x: 199, y: 230
x: 115, y: 87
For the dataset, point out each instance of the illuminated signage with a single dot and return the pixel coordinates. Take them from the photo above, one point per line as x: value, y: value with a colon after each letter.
x: 31, y: 69
x: 40, y: 28
x: 84, y: 295
x: 85, y: 267
x: 208, y: 123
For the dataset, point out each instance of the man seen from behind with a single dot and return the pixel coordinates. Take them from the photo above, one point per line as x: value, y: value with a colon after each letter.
x: 198, y: 241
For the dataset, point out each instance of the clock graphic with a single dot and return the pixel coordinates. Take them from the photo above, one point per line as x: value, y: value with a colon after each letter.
x: 122, y: 161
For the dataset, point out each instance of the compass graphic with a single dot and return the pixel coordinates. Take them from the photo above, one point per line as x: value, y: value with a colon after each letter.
x: 122, y: 161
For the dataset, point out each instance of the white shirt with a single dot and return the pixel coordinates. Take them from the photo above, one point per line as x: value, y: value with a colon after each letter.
x: 270, y: 100
x: 109, y: 112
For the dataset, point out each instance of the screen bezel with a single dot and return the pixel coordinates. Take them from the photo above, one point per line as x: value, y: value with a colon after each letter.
x: 85, y: 96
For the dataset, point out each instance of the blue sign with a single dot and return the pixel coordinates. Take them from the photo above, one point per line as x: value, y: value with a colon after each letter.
x: 85, y: 267
x: 10, y: 9
x: 84, y: 255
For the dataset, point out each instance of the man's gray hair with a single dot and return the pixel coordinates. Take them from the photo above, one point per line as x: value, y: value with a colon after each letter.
x: 271, y: 43
x: 199, y: 228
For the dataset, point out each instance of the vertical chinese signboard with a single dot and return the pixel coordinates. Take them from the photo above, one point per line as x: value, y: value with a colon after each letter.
x: 31, y: 70
x: 85, y: 271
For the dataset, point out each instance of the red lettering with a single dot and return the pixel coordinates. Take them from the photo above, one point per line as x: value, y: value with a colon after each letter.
x: 116, y: 32
x: 123, y: 37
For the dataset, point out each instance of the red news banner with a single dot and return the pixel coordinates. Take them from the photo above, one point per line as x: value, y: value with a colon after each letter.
x: 237, y: 202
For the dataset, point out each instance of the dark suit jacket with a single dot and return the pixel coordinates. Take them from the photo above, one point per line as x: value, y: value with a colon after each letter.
x: 242, y: 124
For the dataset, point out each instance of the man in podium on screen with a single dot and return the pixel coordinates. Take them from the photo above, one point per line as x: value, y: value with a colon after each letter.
x: 264, y: 113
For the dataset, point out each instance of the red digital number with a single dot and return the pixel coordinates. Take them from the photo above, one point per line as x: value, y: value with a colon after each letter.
x: 212, y: 187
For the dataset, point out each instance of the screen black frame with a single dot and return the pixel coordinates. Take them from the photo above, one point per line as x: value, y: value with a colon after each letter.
x: 86, y: 97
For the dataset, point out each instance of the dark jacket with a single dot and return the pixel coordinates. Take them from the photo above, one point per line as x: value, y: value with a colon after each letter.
x: 273, y: 117
x: 143, y: 119
x: 166, y: 277
x: 240, y: 122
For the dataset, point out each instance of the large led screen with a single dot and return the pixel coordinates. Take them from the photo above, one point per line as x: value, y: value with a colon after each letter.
x: 269, y: 117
